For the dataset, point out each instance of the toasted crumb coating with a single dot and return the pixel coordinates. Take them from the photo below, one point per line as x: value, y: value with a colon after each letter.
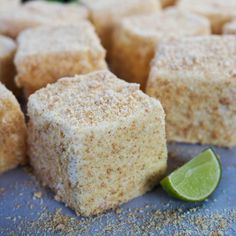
x: 105, y: 14
x: 12, y: 132
x: 48, y: 53
x: 16, y: 19
x: 195, y: 80
x: 97, y: 141
x: 135, y: 40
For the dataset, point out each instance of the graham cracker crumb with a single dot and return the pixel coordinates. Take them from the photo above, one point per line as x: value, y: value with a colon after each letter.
x: 38, y: 195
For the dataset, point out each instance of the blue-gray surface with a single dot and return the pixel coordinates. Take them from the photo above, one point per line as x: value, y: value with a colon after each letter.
x: 22, y: 210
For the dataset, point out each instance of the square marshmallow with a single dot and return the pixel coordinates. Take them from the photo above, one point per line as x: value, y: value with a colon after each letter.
x: 97, y: 141
x: 195, y: 80
x: 48, y: 53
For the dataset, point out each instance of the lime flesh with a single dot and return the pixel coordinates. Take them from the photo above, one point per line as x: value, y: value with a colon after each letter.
x: 197, y: 179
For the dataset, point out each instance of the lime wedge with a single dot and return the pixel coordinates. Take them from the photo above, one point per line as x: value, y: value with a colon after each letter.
x: 197, y: 179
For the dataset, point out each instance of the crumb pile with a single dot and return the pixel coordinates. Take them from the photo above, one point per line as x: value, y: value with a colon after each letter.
x: 135, y: 221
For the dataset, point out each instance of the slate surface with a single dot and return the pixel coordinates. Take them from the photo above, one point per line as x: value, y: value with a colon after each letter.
x: 19, y: 208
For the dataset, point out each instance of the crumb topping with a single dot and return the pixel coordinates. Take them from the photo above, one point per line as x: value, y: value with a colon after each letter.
x: 90, y: 99
x: 170, y: 23
x: 6, y: 94
x: 211, y: 56
x: 62, y: 38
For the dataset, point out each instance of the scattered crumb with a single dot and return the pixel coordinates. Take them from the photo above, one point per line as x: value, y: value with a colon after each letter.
x: 143, y: 221
x: 38, y: 195
x: 118, y: 210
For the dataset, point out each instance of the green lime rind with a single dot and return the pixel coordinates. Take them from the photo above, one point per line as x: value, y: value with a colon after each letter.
x: 197, y: 179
